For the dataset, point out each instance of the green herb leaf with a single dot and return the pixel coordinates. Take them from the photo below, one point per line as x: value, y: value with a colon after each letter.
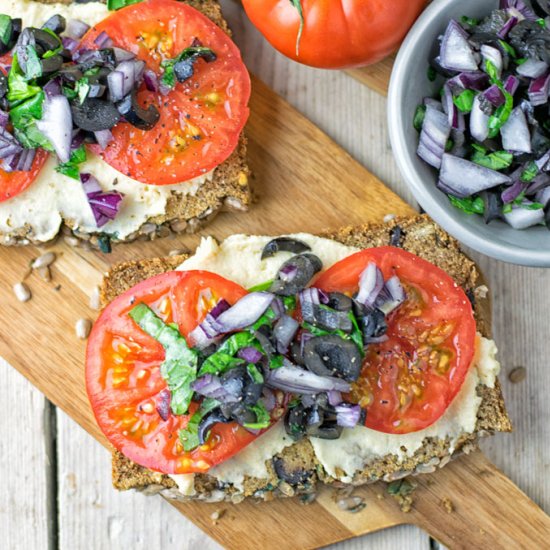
x: 191, y: 54
x: 432, y: 75
x: 71, y: 168
x: 541, y: 22
x: 471, y: 22
x: 6, y: 27
x: 276, y: 362
x: 465, y: 101
x: 113, y: 5
x: 499, y: 160
x: 501, y: 115
x: 529, y: 173
x: 255, y: 374
x: 179, y: 367
x: 419, y: 116
x: 82, y: 89
x: 508, y: 48
x: 18, y: 87
x: 289, y: 303
x: 189, y: 436
x: 263, y: 418
x: 469, y: 205
x: 492, y: 71
x: 261, y: 287
x: 104, y: 243
x: 23, y: 118
x: 219, y: 362
x: 507, y: 208
x: 532, y: 206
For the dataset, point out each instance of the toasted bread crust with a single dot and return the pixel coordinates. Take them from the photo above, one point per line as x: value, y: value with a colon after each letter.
x: 229, y: 188
x: 296, y: 470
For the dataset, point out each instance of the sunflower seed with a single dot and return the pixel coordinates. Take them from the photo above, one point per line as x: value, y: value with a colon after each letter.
x: 351, y: 504
x: 44, y: 261
x: 95, y: 299
x: 82, y: 328
x: 517, y: 375
x: 22, y: 292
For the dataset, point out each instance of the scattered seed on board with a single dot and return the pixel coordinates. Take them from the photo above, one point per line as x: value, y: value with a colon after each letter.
x: 82, y: 328
x: 517, y: 375
x: 45, y: 273
x: 44, y: 261
x: 351, y: 504
x: 95, y: 300
x: 22, y: 292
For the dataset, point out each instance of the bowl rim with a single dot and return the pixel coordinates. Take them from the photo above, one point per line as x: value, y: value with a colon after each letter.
x: 508, y: 253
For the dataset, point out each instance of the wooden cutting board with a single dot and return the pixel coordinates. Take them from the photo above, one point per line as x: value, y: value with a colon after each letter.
x: 304, y: 182
x: 376, y: 77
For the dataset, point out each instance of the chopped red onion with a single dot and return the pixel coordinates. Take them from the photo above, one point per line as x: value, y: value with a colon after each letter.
x: 8, y: 143
x: 538, y: 90
x: 268, y: 399
x: 518, y: 9
x: 464, y: 178
x: 19, y: 162
x: 103, y: 138
x: 163, y: 404
x: 57, y: 124
x: 494, y: 95
x: 508, y: 26
x: 250, y: 354
x: 434, y: 136
x: 334, y: 398
x: 511, y: 193
x: 123, y: 55
x: 371, y: 282
x: 397, y: 295
x: 285, y: 330
x: 310, y: 295
x: 456, y: 54
x: 151, y: 80
x: 77, y: 28
x: 4, y: 119
x: 541, y: 181
x: 104, y: 205
x: 348, y: 416
x: 488, y: 53
x: 479, y: 121
x: 516, y: 135
x: 69, y: 43
x: 511, y: 85
x: 103, y: 40
x: 292, y: 379
x: 477, y: 80
x: 522, y: 218
x: 288, y: 273
x: 532, y: 68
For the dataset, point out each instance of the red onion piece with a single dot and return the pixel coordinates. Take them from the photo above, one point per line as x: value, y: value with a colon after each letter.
x: 285, y: 330
x: 292, y: 379
x: 532, y: 68
x: 488, y: 53
x: 371, y: 282
x: 348, y: 416
x: 511, y: 85
x: 508, y: 26
x: 494, y: 95
x: 103, y: 40
x: 104, y: 205
x: 163, y: 404
x: 456, y: 54
x: 334, y: 398
x: 522, y: 218
x: 516, y: 135
x: 250, y: 354
x: 77, y: 28
x: 57, y: 125
x: 433, y: 137
x: 479, y: 121
x: 151, y: 81
x: 103, y: 138
x: 511, y: 193
x: 464, y: 178
x: 538, y: 90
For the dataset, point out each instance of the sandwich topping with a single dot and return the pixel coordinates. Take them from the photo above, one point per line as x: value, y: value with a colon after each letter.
x: 189, y: 368
x: 156, y: 92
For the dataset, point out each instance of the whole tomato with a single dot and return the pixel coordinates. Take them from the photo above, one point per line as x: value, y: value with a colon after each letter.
x: 334, y: 34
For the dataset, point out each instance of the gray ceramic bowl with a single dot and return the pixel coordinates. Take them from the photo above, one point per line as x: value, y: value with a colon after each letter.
x: 409, y: 85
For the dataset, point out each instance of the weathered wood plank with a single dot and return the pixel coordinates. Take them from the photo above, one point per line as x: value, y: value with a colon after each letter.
x: 24, y: 446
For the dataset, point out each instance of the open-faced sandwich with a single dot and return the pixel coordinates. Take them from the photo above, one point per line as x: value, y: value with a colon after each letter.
x: 118, y: 124
x: 263, y: 366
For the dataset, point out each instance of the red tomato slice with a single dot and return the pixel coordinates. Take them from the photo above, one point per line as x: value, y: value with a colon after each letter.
x: 123, y: 374
x: 201, y: 119
x: 14, y: 183
x: 408, y: 381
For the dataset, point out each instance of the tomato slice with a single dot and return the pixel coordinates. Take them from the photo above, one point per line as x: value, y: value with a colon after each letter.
x: 408, y: 381
x: 14, y: 183
x: 201, y: 119
x: 123, y: 377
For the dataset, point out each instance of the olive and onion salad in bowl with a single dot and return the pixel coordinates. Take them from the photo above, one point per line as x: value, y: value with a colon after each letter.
x: 287, y: 345
x: 488, y: 131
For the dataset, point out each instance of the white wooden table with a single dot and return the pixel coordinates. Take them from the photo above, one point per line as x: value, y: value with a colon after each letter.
x: 56, y: 488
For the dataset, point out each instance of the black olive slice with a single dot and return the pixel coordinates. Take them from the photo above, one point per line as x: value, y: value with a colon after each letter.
x: 331, y: 355
x: 95, y: 115
x: 144, y: 119
x: 295, y: 274
x: 209, y: 420
x: 284, y: 244
x: 56, y: 24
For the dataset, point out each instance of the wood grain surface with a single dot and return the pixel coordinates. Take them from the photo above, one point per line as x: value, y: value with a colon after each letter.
x: 89, y: 514
x: 376, y: 77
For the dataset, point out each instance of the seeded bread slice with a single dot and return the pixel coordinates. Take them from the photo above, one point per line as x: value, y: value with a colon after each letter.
x: 229, y: 188
x: 296, y: 470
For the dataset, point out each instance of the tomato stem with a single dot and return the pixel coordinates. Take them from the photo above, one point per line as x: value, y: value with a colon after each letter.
x: 298, y: 5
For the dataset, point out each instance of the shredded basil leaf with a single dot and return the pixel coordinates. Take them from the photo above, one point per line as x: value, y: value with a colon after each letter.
x: 507, y: 208
x: 261, y: 287
x: 532, y: 206
x: 508, y: 48
x: 179, y: 367
x: 432, y: 75
x: 18, y: 87
x: 6, y: 28
x: 263, y: 418
x: 71, y: 168
x: 419, y: 115
x: 529, y: 173
x: 189, y: 436
x: 499, y: 160
x: 255, y: 374
x: 276, y: 362
x: 465, y: 101
x: 113, y: 5
x: 469, y: 205
x: 470, y: 21
x: 502, y: 114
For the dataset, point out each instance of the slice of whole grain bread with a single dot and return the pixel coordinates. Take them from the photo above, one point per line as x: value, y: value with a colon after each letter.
x: 296, y: 470
x: 229, y: 188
